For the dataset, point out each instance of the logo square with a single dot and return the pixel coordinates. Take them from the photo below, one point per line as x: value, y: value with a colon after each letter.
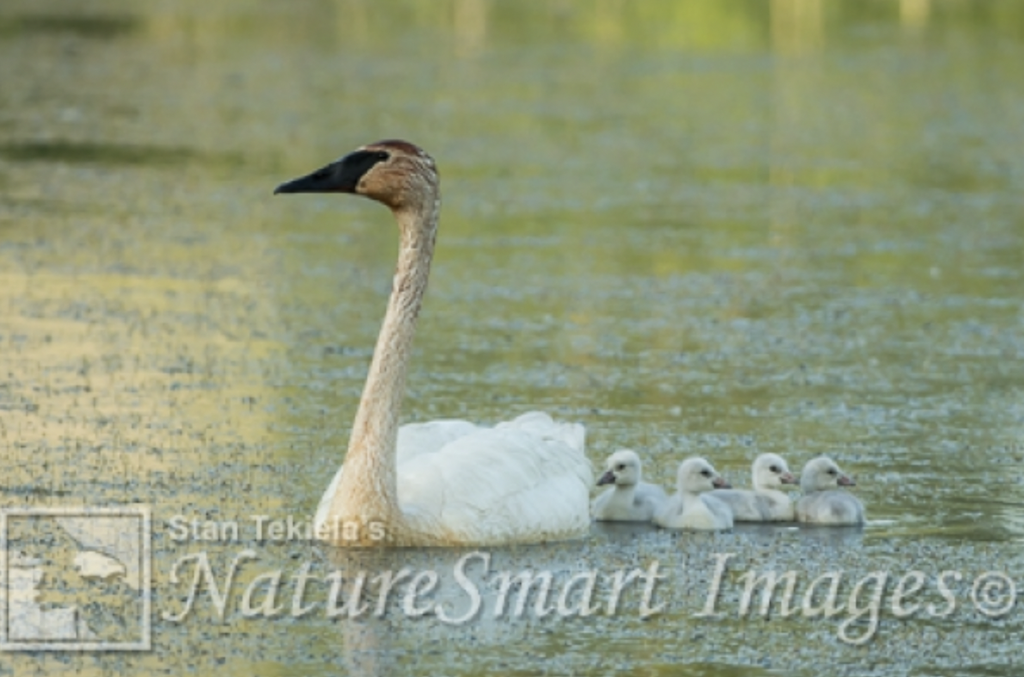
x: 75, y: 579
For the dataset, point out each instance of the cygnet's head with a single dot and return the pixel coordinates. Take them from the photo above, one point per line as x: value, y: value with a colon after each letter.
x: 396, y: 173
x: 621, y: 469
x: 771, y: 472
x: 696, y: 476
x: 822, y: 474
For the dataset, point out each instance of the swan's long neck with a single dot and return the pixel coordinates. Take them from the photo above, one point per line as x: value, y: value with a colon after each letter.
x: 368, y: 491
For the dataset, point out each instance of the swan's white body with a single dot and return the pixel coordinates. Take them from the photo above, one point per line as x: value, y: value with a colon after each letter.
x: 766, y: 503
x: 447, y: 482
x: 522, y: 478
x: 630, y: 500
x: 823, y: 501
x: 693, y: 507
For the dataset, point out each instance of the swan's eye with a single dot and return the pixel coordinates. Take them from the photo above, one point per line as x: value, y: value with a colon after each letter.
x: 705, y: 473
x: 774, y: 469
x: 382, y: 155
x: 621, y: 466
x: 831, y: 472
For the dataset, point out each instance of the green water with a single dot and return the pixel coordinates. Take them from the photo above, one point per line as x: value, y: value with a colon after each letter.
x: 715, y: 227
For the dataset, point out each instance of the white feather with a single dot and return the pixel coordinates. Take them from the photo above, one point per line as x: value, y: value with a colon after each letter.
x: 523, y: 480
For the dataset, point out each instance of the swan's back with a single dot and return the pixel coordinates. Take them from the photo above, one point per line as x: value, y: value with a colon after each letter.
x: 708, y: 514
x: 648, y: 499
x: 834, y: 507
x: 572, y: 435
x: 427, y: 438
x: 723, y: 518
x: 671, y: 513
x: 746, y: 506
x: 651, y: 497
x: 523, y: 480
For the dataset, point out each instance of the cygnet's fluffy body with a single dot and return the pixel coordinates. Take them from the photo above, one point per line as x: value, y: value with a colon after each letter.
x: 823, y: 501
x: 767, y: 502
x: 629, y: 499
x: 693, y: 507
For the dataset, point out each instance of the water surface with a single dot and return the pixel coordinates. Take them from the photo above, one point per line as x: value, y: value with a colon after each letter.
x: 701, y: 227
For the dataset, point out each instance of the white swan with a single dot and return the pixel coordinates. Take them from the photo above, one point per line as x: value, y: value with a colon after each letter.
x: 693, y: 507
x: 823, y: 501
x: 767, y: 502
x: 630, y: 500
x: 446, y: 482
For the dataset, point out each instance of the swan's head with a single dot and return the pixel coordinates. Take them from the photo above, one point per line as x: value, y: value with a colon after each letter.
x: 771, y: 472
x: 822, y: 474
x: 396, y: 173
x: 696, y: 476
x: 621, y: 469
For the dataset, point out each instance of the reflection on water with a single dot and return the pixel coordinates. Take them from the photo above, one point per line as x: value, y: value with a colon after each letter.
x: 715, y: 227
x: 797, y: 26
x: 87, y: 26
x: 914, y: 13
x: 63, y: 151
